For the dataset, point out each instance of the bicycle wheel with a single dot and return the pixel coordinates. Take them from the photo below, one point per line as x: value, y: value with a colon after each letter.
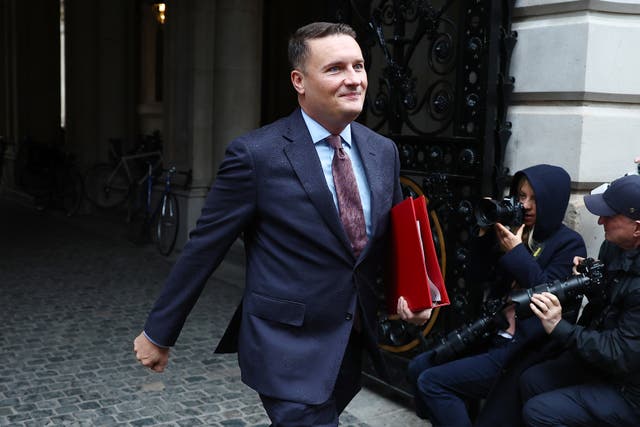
x: 71, y: 191
x: 165, y: 228
x: 105, y: 190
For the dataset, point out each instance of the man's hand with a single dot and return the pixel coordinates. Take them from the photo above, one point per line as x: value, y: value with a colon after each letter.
x: 548, y: 309
x: 506, y: 239
x: 149, y: 354
x: 418, y: 318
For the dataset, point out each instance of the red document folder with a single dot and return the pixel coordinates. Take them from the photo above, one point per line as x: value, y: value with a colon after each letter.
x: 415, y: 271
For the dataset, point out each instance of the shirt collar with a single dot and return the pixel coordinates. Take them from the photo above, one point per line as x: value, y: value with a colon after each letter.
x: 319, y: 133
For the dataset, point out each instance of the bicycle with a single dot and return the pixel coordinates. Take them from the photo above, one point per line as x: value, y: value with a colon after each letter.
x: 108, y: 185
x: 161, y: 223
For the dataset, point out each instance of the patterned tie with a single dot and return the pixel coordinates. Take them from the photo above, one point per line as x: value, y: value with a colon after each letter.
x: 349, y: 203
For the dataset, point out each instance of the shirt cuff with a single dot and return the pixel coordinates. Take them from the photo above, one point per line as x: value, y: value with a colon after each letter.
x: 153, y: 341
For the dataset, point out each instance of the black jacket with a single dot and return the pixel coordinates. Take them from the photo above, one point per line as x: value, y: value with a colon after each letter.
x: 611, y: 341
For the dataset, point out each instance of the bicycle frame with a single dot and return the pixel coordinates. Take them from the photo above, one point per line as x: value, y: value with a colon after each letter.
x: 167, y: 189
x: 123, y: 163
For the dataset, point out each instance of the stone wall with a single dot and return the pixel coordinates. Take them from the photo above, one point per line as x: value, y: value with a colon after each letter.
x: 577, y: 96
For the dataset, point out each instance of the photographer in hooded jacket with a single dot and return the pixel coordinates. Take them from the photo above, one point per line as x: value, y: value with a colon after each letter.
x: 540, y: 250
x: 595, y: 381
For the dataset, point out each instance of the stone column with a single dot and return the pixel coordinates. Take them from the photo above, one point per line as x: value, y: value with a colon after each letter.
x: 29, y: 79
x: 212, y: 88
x: 9, y: 97
x: 101, y: 76
x: 577, y: 96
x: 237, y: 71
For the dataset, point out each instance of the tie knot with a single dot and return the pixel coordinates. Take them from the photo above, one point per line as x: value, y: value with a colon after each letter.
x: 335, y: 141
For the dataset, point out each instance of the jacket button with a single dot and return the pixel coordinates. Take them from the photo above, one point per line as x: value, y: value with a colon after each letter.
x: 349, y: 316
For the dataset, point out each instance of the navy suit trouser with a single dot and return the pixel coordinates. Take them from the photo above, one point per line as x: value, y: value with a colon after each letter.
x: 284, y: 413
x: 442, y: 391
x: 561, y: 392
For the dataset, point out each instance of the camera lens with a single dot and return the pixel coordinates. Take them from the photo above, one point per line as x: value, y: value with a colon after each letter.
x: 508, y: 212
x: 564, y: 290
x: 486, y: 212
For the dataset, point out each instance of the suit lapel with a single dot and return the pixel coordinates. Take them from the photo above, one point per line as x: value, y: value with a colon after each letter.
x: 374, y: 171
x: 304, y: 160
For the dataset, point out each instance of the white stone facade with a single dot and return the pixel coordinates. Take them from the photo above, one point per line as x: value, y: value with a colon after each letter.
x: 577, y: 95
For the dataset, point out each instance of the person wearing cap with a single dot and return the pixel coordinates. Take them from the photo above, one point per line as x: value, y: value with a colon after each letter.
x: 595, y: 381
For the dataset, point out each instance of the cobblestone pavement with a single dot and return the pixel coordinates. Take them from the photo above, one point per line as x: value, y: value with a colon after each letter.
x: 74, y: 294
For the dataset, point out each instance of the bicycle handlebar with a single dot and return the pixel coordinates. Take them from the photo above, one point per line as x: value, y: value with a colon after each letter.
x: 188, y: 175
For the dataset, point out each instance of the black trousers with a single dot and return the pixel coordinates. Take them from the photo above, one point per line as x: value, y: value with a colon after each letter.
x: 565, y: 392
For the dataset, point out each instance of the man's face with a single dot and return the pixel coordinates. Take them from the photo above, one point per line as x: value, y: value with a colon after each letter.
x: 332, y: 84
x: 620, y: 230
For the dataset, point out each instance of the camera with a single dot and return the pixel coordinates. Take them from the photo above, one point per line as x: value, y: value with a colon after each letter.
x: 591, y: 275
x: 508, y: 211
x: 457, y: 342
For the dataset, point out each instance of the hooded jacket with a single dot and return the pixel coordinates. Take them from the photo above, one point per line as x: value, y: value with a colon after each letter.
x: 557, y: 244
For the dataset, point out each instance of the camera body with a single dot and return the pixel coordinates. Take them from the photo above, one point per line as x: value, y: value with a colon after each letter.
x: 460, y: 340
x: 508, y: 211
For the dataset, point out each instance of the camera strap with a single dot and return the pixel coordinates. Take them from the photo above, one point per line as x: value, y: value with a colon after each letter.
x: 609, y: 301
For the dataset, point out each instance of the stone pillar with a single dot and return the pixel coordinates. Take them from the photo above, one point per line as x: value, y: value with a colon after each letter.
x: 9, y: 91
x: 29, y: 78
x: 213, y: 63
x: 101, y: 76
x: 577, y: 96
x: 237, y: 72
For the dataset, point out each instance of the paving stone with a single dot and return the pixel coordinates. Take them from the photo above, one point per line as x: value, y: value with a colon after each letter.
x: 75, y: 293
x: 143, y: 422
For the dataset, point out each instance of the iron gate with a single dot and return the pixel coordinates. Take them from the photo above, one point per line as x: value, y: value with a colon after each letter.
x: 439, y: 86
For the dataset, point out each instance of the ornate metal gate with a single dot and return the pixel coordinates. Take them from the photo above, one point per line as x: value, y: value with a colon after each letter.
x: 439, y: 86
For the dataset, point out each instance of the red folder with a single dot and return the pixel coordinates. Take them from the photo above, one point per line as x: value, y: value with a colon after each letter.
x: 415, y: 271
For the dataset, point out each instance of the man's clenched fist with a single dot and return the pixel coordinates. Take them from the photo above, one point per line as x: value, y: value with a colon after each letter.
x: 149, y: 354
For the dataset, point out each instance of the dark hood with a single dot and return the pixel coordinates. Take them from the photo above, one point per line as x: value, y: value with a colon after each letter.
x: 552, y: 188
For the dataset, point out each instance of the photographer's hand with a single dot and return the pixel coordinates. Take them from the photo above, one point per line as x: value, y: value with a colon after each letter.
x: 576, y: 262
x: 548, y: 309
x: 510, y: 314
x: 506, y: 239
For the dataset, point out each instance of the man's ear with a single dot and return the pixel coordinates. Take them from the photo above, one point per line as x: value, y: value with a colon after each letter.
x: 297, y: 80
x: 636, y: 232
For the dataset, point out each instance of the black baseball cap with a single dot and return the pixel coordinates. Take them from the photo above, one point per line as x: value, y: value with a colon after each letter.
x: 622, y: 196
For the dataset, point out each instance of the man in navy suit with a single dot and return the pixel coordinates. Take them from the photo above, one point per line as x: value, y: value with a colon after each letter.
x: 309, y: 304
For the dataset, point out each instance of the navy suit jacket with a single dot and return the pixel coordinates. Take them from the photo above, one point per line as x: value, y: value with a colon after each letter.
x: 302, y: 279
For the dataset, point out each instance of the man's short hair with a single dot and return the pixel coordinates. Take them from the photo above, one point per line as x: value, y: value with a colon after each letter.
x: 622, y: 196
x: 299, y: 49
